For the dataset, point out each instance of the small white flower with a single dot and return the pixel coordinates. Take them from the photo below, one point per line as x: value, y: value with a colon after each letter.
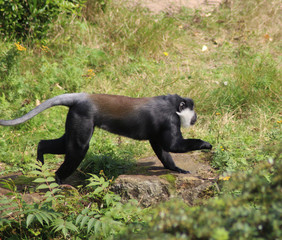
x: 225, y: 83
x: 270, y: 161
x: 260, y: 227
x: 204, y: 48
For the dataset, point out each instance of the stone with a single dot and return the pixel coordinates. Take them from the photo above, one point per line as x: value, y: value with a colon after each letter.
x: 150, y: 183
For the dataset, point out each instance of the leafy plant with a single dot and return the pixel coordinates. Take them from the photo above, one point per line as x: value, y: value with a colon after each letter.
x: 254, y: 213
x: 32, y: 17
x: 23, y: 219
x: 8, y: 62
x: 64, y: 226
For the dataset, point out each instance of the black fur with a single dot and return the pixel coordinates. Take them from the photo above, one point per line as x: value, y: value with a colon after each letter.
x: 152, y: 119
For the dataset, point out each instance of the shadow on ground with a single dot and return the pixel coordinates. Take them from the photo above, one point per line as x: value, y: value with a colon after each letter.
x: 148, y: 182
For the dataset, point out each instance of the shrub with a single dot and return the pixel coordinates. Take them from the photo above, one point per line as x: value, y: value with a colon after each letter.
x: 251, y: 210
x: 92, y: 212
x: 21, y: 19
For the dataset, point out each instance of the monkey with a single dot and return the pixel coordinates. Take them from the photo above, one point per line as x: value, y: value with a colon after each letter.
x: 157, y: 119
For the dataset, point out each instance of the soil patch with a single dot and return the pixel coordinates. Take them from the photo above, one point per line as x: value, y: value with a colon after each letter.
x: 156, y: 6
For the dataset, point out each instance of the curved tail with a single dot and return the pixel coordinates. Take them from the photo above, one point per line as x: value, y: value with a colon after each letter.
x: 68, y: 100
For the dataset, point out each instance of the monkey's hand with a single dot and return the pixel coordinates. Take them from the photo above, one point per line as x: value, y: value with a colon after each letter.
x: 179, y: 170
x: 205, y: 145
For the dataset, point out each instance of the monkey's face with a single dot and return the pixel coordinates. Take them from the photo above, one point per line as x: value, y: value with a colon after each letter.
x: 186, y: 113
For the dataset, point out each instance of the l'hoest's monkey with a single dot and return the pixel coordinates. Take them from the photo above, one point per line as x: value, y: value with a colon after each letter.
x: 157, y: 119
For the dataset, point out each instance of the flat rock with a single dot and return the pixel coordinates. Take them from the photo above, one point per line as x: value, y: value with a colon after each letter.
x: 149, y: 183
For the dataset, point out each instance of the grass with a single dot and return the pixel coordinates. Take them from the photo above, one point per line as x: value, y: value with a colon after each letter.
x: 227, y: 60
x: 235, y: 83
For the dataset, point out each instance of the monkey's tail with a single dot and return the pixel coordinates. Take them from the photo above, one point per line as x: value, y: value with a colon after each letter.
x: 68, y: 100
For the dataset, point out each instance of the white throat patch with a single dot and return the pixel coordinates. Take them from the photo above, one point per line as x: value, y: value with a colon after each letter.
x: 185, y: 117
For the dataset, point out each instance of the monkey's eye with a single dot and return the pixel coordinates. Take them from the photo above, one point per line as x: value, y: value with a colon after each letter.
x: 182, y: 106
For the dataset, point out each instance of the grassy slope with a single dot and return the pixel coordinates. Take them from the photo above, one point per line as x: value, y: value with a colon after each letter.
x: 235, y: 82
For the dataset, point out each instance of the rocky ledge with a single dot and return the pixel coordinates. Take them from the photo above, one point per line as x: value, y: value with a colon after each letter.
x: 150, y: 183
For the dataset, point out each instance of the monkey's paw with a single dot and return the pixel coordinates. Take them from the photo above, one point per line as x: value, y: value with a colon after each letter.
x: 179, y: 170
x: 206, y: 145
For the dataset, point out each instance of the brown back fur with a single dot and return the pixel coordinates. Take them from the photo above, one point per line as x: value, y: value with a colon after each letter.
x: 115, y: 105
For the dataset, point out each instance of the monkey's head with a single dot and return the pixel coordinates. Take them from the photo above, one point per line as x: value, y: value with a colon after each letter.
x: 186, y: 112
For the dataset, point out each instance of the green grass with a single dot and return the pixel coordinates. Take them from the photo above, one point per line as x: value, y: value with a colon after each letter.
x: 235, y: 83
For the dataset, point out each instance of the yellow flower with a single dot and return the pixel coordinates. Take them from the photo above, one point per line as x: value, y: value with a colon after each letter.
x: 166, y: 54
x: 20, y: 47
x: 44, y: 48
x: 222, y: 149
x: 226, y: 178
x: 279, y: 121
x: 90, y: 74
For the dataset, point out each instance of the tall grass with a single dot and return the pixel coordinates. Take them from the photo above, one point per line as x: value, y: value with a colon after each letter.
x: 127, y: 50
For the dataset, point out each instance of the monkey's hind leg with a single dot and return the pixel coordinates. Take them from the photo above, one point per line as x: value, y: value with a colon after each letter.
x: 165, y: 158
x: 77, y: 144
x: 54, y: 146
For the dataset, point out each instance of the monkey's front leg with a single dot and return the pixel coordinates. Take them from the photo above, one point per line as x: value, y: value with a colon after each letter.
x: 187, y: 145
x: 165, y: 158
x: 174, y: 142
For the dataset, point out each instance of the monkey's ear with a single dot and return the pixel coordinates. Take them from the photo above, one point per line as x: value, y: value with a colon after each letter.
x: 182, y: 106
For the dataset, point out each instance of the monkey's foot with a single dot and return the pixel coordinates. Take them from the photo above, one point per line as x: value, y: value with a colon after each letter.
x: 179, y: 170
x: 206, y: 145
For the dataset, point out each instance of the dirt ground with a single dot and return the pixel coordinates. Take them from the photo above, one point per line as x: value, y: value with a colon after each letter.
x: 157, y: 6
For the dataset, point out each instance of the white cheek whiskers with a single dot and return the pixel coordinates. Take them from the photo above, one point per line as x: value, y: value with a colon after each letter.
x: 185, y: 117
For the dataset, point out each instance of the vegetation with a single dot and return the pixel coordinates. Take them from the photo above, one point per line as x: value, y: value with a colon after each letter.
x: 254, y: 213
x: 227, y: 60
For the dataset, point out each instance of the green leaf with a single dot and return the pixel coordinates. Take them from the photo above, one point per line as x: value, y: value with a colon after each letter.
x: 50, y: 179
x: 43, y: 186
x: 56, y: 190
x: 39, y: 218
x: 91, y: 224
x: 54, y: 185
x: 64, y: 226
x: 58, y: 224
x: 78, y: 219
x: 98, y: 190
x: 44, y: 216
x: 105, y: 185
x: 71, y: 226
x: 35, y: 172
x: 97, y: 226
x: 48, y: 194
x: 39, y: 180
x: 85, y: 211
x: 102, y: 180
x: 84, y: 221
x: 29, y: 219
x: 93, y: 184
